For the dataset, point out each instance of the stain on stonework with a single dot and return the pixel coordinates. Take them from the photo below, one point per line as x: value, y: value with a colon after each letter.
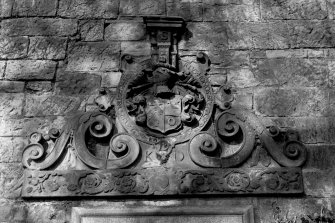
x: 324, y: 216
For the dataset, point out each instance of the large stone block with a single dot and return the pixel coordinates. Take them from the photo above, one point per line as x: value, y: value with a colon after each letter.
x: 6, y: 8
x: 272, y: 35
x: 291, y: 102
x: 38, y: 26
x: 111, y: 79
x: 77, y: 83
x: 10, y: 175
x: 307, y: 33
x: 136, y: 48
x: 49, y: 104
x: 199, y: 36
x: 13, y: 211
x: 11, y: 86
x: 11, y: 104
x: 190, y: 10
x: 318, y: 183
x: 88, y: 9
x: 24, y: 127
x: 11, y: 149
x: 39, y: 86
x: 34, y: 8
x: 30, y: 69
x: 320, y: 157
x: 50, y: 212
x: 142, y: 7
x: 13, y: 47
x: 242, y: 78
x: 91, y: 30
x: 125, y: 30
x: 91, y: 56
x: 231, y: 10
x: 293, y: 9
x: 292, y: 72
x: 47, y: 48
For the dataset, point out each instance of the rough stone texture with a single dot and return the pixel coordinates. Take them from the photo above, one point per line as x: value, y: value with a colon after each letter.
x: 142, y: 7
x: 11, y: 104
x: 11, y: 149
x: 77, y: 83
x: 2, y: 68
x: 34, y: 8
x: 291, y: 102
x: 39, y: 26
x: 271, y: 35
x: 25, y: 126
x: 293, y: 9
x: 190, y: 10
x: 312, y: 34
x: 91, y: 30
x: 321, y: 157
x: 6, y: 8
x: 100, y: 56
x: 110, y: 80
x: 39, y: 86
x: 231, y: 11
x: 30, y: 69
x: 318, y: 183
x: 13, y: 47
x: 125, y: 30
x: 11, y: 86
x: 136, y: 48
x: 88, y: 9
x: 292, y: 72
x: 49, y: 104
x: 10, y: 175
x: 47, y: 48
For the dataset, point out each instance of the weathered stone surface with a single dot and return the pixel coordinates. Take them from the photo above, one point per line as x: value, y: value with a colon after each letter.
x: 91, y: 30
x: 30, y: 69
x: 111, y: 79
x: 39, y: 86
x: 331, y: 67
x: 272, y: 35
x: 91, y: 56
x: 136, y: 48
x: 297, y: 53
x: 34, y: 8
x: 11, y: 86
x: 38, y: 26
x: 294, y: 72
x: 13, y: 47
x: 320, y: 157
x: 292, y: 9
x: 320, y: 53
x: 331, y: 109
x: 198, y: 36
x: 50, y: 212
x: 2, y: 69
x: 12, y: 212
x: 10, y: 175
x: 190, y: 10
x: 291, y: 102
x: 47, y: 48
x: 125, y: 30
x: 306, y: 33
x: 319, y: 183
x: 217, y: 79
x: 6, y: 8
x: 289, y: 209
x: 77, y: 83
x: 49, y: 104
x: 231, y: 11
x: 11, y: 104
x: 24, y: 127
x: 11, y: 149
x: 142, y: 7
x: 242, y: 78
x: 88, y: 9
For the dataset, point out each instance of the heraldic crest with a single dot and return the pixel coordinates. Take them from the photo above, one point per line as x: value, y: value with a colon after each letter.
x: 164, y: 132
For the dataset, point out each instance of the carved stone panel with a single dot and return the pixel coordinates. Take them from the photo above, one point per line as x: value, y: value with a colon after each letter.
x: 163, y: 214
x: 165, y: 132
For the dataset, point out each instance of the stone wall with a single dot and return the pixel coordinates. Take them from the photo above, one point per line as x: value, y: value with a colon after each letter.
x: 279, y: 55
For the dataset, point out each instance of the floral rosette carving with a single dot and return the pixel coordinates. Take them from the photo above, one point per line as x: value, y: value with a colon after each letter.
x: 91, y: 183
x: 237, y: 181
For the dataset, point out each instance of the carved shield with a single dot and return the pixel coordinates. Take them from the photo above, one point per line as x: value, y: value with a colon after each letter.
x: 164, y: 115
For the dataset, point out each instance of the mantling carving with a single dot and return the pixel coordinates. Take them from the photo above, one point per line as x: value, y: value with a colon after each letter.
x: 165, y: 132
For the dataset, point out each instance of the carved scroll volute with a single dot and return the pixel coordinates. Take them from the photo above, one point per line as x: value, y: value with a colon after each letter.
x: 284, y: 146
x: 205, y: 152
x: 34, y: 155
